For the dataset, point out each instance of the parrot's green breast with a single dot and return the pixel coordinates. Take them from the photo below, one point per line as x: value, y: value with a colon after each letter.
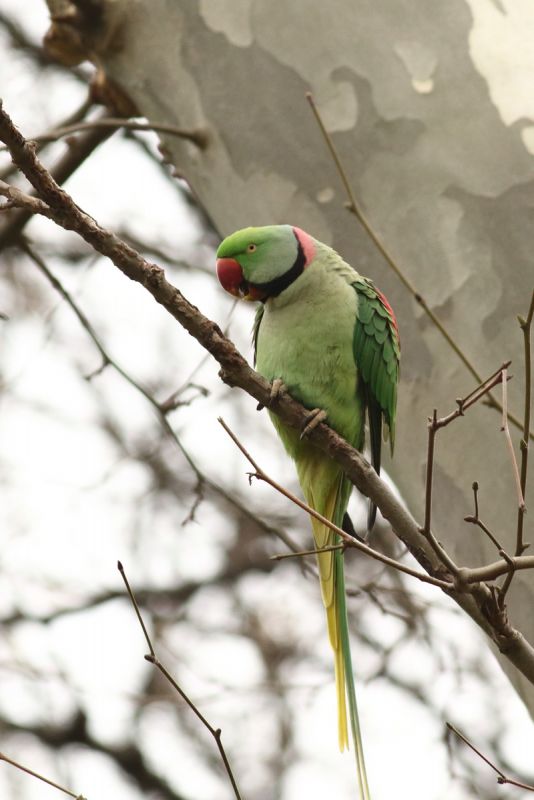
x: 308, y: 345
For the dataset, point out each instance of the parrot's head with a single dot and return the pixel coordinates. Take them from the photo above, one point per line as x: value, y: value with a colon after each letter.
x: 258, y: 263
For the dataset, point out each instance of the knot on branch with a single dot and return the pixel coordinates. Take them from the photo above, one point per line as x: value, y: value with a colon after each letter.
x: 461, y: 580
x: 506, y: 641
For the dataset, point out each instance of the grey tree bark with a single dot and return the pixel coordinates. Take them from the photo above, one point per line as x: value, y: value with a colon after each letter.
x: 446, y: 184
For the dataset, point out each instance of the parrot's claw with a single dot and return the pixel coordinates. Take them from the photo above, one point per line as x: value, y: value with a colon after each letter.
x: 277, y: 388
x: 313, y: 418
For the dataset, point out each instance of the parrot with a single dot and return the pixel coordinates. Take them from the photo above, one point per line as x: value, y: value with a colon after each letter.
x: 328, y: 337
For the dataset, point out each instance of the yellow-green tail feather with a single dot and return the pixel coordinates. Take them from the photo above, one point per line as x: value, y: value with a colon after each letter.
x: 332, y: 504
x: 349, y: 679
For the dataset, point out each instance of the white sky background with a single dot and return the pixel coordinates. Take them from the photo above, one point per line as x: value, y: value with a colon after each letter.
x: 65, y: 517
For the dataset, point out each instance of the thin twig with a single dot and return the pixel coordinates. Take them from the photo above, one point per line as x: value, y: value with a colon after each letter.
x: 464, y: 403
x: 426, y: 530
x: 434, y: 424
x: 483, y: 527
x: 300, y: 553
x: 348, y: 540
x: 136, y: 607
x: 501, y: 777
x: 153, y: 659
x: 355, y: 209
x: 501, y: 592
x: 526, y: 325
x: 510, y: 444
x: 432, y: 428
x: 198, y: 137
x: 475, y: 497
x: 40, y: 777
x: 76, y: 116
x: 474, y: 519
x: 489, y: 572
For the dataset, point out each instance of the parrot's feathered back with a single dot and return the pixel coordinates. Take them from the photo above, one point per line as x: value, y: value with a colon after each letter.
x: 331, y: 338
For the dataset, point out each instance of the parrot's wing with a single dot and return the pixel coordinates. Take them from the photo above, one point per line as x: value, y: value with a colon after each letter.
x: 377, y: 354
x: 256, y: 327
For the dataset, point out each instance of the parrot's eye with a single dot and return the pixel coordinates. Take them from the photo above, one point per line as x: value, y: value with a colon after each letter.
x: 251, y: 248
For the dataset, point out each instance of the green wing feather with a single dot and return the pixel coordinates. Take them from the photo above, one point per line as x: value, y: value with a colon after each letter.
x: 377, y: 353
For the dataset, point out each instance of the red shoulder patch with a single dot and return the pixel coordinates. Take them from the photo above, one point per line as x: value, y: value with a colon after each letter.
x: 383, y: 299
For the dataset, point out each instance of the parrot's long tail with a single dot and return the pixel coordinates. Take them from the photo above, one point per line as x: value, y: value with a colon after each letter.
x: 343, y: 627
x: 333, y: 592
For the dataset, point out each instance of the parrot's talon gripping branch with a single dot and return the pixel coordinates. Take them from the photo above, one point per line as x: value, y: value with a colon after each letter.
x: 278, y: 388
x: 313, y: 419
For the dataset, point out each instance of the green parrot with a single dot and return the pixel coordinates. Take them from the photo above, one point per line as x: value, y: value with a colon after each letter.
x: 329, y: 337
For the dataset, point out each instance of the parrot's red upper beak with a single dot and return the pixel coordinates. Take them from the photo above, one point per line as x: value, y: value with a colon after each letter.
x: 231, y: 276
x: 233, y: 281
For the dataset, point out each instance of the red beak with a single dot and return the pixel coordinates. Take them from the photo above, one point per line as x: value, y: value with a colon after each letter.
x: 233, y: 281
x: 230, y: 276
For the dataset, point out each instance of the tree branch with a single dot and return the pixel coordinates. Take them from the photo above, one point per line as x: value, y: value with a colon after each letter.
x: 501, y: 777
x: 40, y: 777
x: 198, y: 137
x: 153, y: 659
x: 348, y: 540
x: 75, y: 155
x: 55, y: 203
x: 526, y: 326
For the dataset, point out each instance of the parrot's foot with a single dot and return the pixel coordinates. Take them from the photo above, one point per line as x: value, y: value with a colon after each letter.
x: 313, y: 418
x: 277, y: 389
